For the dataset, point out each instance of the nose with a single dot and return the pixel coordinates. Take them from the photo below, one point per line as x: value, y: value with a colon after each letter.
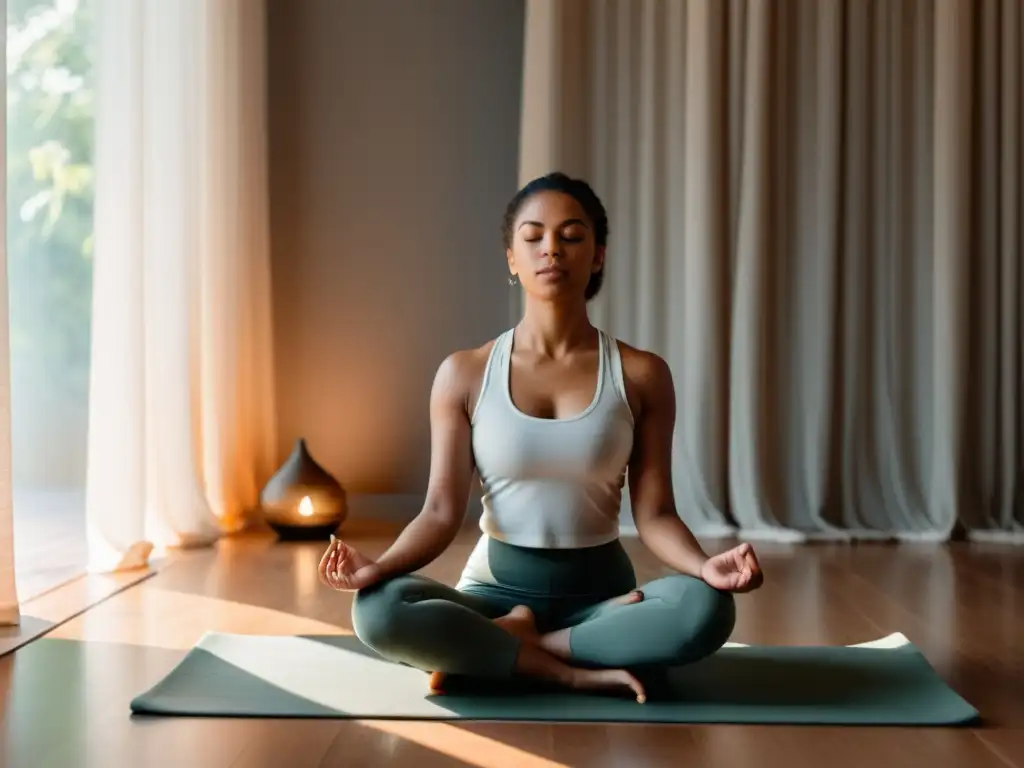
x: 552, y: 246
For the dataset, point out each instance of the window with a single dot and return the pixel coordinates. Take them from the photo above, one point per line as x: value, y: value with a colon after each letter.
x: 49, y: 237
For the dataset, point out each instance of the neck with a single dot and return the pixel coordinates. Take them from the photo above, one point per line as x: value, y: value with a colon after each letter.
x: 553, y: 328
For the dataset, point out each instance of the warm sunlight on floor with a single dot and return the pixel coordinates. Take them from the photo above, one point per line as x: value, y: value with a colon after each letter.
x: 152, y: 616
x: 460, y: 744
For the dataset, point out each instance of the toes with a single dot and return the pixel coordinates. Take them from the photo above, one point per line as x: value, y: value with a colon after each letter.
x: 436, y: 681
x: 633, y: 597
x: 637, y: 688
x: 520, y: 612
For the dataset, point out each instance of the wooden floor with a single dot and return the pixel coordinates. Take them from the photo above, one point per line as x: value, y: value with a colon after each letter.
x: 963, y: 605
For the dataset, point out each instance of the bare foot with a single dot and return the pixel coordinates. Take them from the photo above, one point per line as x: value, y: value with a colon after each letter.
x: 519, y: 622
x: 436, y: 683
x: 608, y: 679
x: 546, y: 655
x: 630, y: 597
x: 579, y: 679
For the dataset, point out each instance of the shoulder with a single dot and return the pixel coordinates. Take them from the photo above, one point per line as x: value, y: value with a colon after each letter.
x: 459, y: 375
x: 464, y: 366
x: 643, y: 368
x: 648, y: 378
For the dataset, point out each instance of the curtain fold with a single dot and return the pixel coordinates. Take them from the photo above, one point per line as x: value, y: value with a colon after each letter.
x: 10, y: 612
x: 816, y: 218
x: 181, y: 419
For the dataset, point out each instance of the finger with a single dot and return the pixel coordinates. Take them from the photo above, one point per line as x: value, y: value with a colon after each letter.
x: 327, y: 565
x: 327, y: 555
x: 338, y: 571
x: 328, y: 577
x: 750, y: 561
x: 738, y: 587
x: 749, y: 554
x: 321, y: 568
x: 341, y: 564
x: 336, y: 580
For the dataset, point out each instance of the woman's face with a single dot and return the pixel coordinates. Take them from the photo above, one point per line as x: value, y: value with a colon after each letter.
x: 553, y: 250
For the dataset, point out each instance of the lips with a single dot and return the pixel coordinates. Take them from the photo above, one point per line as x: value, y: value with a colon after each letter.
x: 551, y: 271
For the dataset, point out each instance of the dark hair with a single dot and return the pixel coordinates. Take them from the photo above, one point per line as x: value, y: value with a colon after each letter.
x: 583, y: 194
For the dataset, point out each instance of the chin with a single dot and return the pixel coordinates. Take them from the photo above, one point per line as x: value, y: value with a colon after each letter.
x: 561, y: 290
x: 556, y: 293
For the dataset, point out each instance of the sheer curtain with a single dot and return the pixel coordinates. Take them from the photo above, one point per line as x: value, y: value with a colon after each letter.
x: 816, y: 212
x: 10, y: 614
x: 182, y: 424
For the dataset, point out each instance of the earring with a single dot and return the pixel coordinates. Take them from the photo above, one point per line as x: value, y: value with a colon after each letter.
x: 512, y: 280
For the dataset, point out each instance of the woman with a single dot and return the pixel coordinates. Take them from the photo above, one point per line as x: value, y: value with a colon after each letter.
x: 551, y: 414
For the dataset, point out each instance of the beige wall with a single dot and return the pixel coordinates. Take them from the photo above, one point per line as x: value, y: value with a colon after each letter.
x: 394, y: 147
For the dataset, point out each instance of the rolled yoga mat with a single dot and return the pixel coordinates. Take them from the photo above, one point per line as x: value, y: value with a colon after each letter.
x: 887, y: 682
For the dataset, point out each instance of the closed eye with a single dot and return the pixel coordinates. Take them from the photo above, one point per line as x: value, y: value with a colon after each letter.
x: 564, y: 238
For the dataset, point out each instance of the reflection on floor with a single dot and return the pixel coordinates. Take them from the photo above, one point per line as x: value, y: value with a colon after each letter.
x: 962, y: 605
x: 49, y: 539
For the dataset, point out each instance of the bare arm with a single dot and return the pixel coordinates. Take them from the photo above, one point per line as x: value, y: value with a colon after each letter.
x: 451, y: 472
x: 650, y: 468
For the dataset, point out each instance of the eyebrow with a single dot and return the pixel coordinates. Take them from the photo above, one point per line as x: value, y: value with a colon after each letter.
x: 565, y: 223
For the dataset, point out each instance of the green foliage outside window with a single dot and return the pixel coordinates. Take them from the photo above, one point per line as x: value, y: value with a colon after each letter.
x: 50, y: 49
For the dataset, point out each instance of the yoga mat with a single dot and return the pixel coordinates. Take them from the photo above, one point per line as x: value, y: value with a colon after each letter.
x: 886, y: 682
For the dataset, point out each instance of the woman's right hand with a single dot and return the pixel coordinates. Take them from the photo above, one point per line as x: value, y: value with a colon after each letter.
x: 347, y: 569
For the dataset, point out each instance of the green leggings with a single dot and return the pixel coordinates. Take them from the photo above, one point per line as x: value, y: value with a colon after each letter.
x: 420, y: 622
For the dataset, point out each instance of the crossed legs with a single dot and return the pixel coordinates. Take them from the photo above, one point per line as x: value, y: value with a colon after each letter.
x: 420, y: 622
x: 672, y: 621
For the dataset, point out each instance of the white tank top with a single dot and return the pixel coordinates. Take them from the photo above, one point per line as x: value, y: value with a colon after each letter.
x: 552, y: 483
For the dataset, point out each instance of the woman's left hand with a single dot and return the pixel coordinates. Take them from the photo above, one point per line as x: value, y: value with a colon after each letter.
x: 736, y: 570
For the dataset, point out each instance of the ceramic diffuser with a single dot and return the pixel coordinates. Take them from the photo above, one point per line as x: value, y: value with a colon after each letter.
x: 302, y: 499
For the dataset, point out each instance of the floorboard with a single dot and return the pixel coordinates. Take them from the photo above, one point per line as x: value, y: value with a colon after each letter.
x: 961, y: 604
